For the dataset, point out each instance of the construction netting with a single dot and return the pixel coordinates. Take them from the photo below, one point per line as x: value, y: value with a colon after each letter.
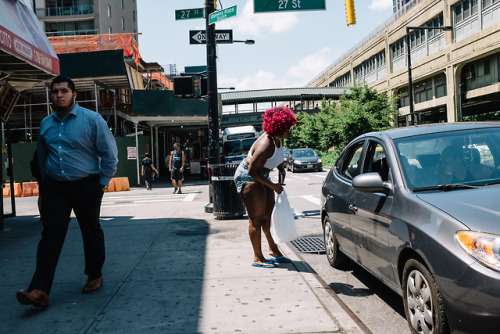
x: 89, y: 43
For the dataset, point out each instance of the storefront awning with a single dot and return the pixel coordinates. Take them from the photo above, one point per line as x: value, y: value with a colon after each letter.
x: 26, y: 55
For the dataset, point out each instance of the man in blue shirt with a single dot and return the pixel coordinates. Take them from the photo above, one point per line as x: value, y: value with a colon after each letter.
x: 78, y: 157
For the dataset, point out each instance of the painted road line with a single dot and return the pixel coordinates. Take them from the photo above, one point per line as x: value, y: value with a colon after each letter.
x: 312, y: 199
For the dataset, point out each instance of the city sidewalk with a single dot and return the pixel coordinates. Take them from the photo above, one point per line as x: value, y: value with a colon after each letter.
x: 170, y: 268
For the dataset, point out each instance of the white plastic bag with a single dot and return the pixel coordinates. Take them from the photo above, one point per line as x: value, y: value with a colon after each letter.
x: 283, y: 228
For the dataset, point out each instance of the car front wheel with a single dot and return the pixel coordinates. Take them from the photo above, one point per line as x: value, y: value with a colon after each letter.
x: 336, y: 258
x: 422, y: 300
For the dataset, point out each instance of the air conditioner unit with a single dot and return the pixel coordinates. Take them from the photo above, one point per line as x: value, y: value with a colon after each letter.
x: 470, y: 75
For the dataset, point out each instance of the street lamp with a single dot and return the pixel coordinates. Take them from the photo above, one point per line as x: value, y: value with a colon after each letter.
x: 408, y: 54
x: 247, y: 42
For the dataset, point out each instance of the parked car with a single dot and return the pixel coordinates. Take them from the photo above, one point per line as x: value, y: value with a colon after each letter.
x: 303, y: 159
x: 285, y: 156
x: 419, y: 209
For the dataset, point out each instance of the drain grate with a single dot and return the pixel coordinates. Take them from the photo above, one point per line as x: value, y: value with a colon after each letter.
x: 309, y: 245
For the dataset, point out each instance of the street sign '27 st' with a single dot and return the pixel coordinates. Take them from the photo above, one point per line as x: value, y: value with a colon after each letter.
x: 287, y: 5
x: 200, y: 36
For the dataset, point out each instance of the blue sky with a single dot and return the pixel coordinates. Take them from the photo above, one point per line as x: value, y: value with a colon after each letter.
x: 290, y: 48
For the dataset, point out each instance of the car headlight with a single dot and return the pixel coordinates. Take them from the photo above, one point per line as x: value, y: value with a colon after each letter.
x: 319, y: 160
x: 484, y: 247
x: 297, y: 162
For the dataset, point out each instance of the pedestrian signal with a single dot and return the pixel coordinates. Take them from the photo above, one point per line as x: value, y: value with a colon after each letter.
x: 349, y: 11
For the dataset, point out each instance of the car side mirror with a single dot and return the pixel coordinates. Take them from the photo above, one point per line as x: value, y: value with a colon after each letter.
x: 372, y: 183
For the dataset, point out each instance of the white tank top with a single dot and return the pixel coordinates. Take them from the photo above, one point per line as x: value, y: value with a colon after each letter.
x: 273, y: 161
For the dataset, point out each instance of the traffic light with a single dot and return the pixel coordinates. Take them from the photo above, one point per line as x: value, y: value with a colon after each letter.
x: 215, y: 4
x: 349, y: 11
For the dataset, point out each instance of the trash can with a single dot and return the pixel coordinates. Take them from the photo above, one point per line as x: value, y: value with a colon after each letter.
x: 227, y: 201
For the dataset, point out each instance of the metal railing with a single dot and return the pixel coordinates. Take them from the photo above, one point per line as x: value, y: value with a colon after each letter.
x: 64, y: 11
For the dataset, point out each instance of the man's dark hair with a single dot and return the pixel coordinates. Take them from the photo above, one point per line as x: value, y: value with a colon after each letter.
x: 63, y: 78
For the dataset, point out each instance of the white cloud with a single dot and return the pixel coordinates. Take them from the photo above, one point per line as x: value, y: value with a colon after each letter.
x: 380, y: 4
x: 310, y: 65
x: 255, y: 24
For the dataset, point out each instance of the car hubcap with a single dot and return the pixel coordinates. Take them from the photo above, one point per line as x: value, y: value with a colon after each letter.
x: 420, y: 308
x: 329, y: 240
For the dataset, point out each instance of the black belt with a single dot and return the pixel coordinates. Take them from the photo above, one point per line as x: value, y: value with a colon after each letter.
x: 90, y: 176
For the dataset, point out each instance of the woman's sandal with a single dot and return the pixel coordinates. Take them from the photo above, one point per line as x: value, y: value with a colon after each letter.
x: 279, y: 259
x: 264, y: 265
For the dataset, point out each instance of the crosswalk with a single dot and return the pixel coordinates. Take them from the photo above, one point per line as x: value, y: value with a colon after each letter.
x: 129, y: 200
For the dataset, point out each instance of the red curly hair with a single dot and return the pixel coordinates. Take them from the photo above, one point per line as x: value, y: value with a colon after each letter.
x: 277, y: 120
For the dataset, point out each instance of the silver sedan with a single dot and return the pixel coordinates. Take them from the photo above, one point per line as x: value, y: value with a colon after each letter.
x: 419, y: 208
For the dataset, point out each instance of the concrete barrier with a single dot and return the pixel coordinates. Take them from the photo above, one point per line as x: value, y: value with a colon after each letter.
x: 111, y: 186
x: 18, y: 190
x: 121, y: 184
x: 6, y: 190
x: 30, y: 189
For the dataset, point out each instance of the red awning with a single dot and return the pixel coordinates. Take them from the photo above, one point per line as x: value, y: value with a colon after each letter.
x: 25, y: 52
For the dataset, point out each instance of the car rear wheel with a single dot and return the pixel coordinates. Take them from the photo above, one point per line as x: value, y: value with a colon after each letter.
x: 422, y: 300
x: 336, y: 258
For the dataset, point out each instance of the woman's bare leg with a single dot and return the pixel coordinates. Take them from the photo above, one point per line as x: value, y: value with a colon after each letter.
x: 254, y: 197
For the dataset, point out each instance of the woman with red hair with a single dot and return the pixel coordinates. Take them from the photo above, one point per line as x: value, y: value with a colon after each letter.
x: 256, y: 188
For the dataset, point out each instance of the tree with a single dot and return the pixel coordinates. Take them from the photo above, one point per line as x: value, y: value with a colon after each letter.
x: 360, y: 111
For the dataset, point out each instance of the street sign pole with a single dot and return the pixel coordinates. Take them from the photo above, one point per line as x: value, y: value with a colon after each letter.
x: 212, y: 100
x: 213, y: 108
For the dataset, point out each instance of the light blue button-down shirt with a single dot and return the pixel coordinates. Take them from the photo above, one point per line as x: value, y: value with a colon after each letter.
x: 76, y: 146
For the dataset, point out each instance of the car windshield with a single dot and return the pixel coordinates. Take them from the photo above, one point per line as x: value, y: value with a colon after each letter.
x: 300, y: 153
x: 232, y: 148
x: 465, y: 157
x: 285, y: 152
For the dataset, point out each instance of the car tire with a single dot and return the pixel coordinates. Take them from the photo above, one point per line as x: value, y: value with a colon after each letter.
x: 422, y: 300
x: 335, y: 257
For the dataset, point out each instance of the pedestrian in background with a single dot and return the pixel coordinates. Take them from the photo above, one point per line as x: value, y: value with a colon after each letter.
x: 177, y: 167
x: 148, y: 171
x: 77, y: 157
x: 256, y: 188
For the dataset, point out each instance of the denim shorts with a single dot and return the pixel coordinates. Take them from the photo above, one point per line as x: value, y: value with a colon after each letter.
x: 241, y: 176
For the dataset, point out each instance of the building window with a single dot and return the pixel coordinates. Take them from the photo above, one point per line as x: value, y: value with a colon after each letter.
x: 122, y: 5
x: 440, y: 85
x: 110, y: 30
x: 133, y: 15
x: 109, y: 10
x: 123, y: 24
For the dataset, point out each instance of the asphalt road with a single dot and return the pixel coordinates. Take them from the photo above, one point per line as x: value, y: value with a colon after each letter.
x: 377, y: 306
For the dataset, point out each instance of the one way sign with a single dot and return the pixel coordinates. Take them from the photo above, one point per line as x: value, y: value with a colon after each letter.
x: 200, y: 36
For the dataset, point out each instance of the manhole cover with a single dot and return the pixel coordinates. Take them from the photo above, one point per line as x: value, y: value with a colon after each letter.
x: 309, y: 245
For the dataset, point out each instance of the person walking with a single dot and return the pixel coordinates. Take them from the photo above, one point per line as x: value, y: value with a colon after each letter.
x: 256, y: 188
x: 148, y: 171
x: 177, y: 167
x: 77, y: 157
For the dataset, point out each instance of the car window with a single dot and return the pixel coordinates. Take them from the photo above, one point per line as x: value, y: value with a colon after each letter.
x: 377, y: 160
x: 352, y: 164
x: 303, y: 153
x: 467, y: 156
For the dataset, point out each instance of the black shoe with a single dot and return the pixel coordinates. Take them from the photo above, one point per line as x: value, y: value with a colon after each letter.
x: 179, y: 192
x: 175, y: 190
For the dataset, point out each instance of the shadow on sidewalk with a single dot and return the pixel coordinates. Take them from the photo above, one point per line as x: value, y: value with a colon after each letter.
x: 153, y: 277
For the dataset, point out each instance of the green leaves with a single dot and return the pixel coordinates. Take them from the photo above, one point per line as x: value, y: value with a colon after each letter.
x: 362, y: 110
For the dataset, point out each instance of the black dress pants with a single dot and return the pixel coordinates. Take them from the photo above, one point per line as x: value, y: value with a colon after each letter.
x: 58, y: 198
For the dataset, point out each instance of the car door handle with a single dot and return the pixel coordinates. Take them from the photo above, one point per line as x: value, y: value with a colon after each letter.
x: 353, y: 208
